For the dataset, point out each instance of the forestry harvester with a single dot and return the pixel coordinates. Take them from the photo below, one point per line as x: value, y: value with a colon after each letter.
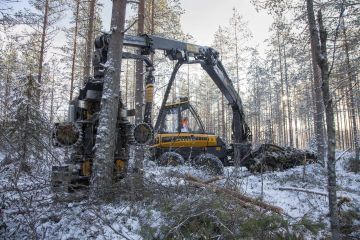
x: 171, y: 145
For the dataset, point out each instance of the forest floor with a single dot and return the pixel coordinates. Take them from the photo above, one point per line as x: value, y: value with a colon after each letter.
x: 28, y: 210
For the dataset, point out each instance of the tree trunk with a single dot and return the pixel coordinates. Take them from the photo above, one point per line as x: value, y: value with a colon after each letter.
x: 74, y: 49
x: 52, y: 95
x: 217, y: 119
x: 188, y: 81
x: 7, y: 94
x: 139, y: 99
x: 127, y: 83
x: 318, y: 114
x: 282, y: 111
x: 133, y: 86
x: 106, y: 133
x: 223, y: 127
x: 330, y: 124
x: 337, y: 119
x: 25, y: 140
x: 341, y: 125
x: 43, y: 39
x: 270, y: 115
x: 291, y: 141
x: 89, y: 40
x: 296, y: 115
x: 152, y: 30
x: 351, y: 79
x: 207, y: 113
x: 136, y: 178
x: 237, y: 57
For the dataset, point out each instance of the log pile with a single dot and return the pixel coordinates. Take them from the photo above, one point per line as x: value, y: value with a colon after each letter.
x: 269, y: 157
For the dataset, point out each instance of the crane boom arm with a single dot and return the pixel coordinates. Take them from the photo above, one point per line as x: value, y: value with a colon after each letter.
x: 159, y: 43
x: 182, y: 51
x: 213, y: 66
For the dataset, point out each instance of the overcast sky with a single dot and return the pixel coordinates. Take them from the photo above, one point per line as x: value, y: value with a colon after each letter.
x: 202, y: 18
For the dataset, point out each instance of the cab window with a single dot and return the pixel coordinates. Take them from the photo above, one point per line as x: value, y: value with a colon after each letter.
x: 188, y: 122
x: 171, y: 122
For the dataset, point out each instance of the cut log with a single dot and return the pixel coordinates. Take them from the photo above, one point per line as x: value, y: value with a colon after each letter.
x: 243, y: 200
x: 302, y: 190
x: 211, y: 180
x: 217, y: 178
x: 342, y: 154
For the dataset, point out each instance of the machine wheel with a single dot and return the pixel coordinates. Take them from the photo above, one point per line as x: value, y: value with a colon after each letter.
x: 210, y: 163
x: 170, y: 159
x: 60, y: 178
x: 142, y: 133
x: 66, y: 134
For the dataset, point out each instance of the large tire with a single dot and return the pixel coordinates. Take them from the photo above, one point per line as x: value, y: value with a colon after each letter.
x: 170, y: 159
x: 209, y: 163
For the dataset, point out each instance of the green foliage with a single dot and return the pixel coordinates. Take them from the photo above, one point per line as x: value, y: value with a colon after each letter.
x: 208, y: 215
x: 147, y: 231
x: 350, y: 222
x: 260, y: 226
x: 204, y: 217
x: 268, y: 227
x: 313, y: 227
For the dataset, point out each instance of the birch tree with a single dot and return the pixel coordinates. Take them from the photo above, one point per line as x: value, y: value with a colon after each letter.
x: 330, y: 124
x: 319, y: 53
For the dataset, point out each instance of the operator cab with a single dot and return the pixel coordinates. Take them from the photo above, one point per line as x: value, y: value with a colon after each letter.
x: 181, y: 131
x: 180, y: 117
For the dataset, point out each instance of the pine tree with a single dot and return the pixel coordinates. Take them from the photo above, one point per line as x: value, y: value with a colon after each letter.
x: 89, y: 39
x: 101, y: 178
x: 140, y: 67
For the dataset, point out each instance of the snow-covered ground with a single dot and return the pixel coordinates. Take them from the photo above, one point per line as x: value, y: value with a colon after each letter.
x: 296, y: 204
x: 34, y: 214
x: 266, y: 186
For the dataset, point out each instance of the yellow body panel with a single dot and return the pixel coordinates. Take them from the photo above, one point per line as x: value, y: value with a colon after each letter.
x: 178, y: 140
x: 149, y: 93
x: 86, y: 168
x: 120, y: 165
x: 174, y: 104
